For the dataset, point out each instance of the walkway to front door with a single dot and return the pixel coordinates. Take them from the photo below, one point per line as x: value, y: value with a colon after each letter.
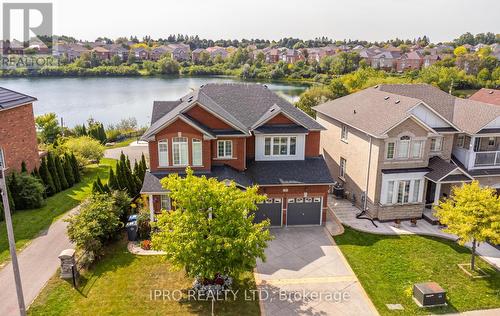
x: 306, y: 274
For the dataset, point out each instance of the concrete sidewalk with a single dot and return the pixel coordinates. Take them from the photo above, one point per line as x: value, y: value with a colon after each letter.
x: 37, y: 262
x: 346, y: 213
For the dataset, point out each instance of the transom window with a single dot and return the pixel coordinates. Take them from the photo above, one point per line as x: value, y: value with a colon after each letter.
x: 163, y: 153
x: 280, y: 146
x: 225, y: 149
x: 344, y: 133
x: 180, y: 151
x: 197, y: 152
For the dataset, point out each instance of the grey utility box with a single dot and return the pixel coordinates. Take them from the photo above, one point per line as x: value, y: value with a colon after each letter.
x: 68, y: 264
x: 429, y: 294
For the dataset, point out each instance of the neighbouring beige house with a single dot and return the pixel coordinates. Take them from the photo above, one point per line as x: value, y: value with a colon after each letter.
x: 406, y: 146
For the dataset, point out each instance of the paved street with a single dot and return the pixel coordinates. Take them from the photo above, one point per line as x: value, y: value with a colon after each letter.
x: 305, y: 267
x: 134, y: 152
x: 38, y: 262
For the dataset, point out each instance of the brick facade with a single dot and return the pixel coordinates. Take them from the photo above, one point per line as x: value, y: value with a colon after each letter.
x: 18, y: 137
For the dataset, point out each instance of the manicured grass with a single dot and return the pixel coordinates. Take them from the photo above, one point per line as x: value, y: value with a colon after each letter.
x: 29, y: 223
x: 123, y: 143
x: 388, y: 266
x: 121, y: 284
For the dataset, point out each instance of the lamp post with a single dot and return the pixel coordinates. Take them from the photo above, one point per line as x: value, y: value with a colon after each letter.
x: 10, y: 234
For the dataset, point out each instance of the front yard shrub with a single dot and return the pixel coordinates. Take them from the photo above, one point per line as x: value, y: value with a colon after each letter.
x: 26, y: 190
x: 86, y: 149
x: 122, y: 203
x: 96, y: 223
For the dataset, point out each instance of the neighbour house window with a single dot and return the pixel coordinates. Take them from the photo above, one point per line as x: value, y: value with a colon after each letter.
x: 163, y: 153
x: 180, y: 151
x: 344, y: 133
x: 342, y: 171
x: 402, y: 191
x: 2, y: 161
x: 280, y: 146
x: 197, y: 152
x: 416, y: 149
x: 404, y: 147
x: 165, y: 202
x: 491, y: 141
x: 436, y: 144
x: 225, y: 149
x: 460, y: 141
x: 390, y: 150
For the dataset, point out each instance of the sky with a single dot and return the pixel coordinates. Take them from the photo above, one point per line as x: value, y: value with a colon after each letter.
x: 372, y: 20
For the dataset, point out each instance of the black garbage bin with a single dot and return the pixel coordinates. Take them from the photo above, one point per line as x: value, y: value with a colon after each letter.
x: 132, y: 231
x: 338, y: 192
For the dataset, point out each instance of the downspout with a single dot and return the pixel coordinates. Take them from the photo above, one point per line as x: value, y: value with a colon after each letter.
x: 361, y: 215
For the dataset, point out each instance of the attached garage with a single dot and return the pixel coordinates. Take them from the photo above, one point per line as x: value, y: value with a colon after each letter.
x: 270, y: 209
x: 304, y: 211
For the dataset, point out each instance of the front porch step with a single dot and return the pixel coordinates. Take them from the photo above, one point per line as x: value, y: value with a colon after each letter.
x: 429, y: 217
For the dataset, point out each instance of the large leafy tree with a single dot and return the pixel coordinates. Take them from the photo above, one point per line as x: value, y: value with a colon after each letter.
x: 48, y: 126
x: 473, y: 214
x: 210, y: 229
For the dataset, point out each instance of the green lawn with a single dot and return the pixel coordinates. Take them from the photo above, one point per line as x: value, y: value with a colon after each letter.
x: 121, y: 284
x: 123, y: 143
x: 29, y: 223
x: 388, y: 266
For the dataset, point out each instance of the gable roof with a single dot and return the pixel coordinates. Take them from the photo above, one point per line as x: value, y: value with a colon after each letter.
x: 491, y: 96
x: 241, y: 105
x: 10, y: 99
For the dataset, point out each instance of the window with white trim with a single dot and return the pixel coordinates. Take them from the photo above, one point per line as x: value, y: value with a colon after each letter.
x: 390, y: 150
x: 165, y: 202
x: 342, y: 170
x: 163, y: 153
x: 180, y: 151
x: 197, y: 152
x: 345, y: 133
x: 460, y: 141
x: 416, y: 191
x: 404, y: 146
x: 225, y: 149
x: 280, y: 146
x: 390, y: 192
x: 2, y: 161
x: 402, y: 191
x: 491, y: 141
x: 436, y: 144
x: 416, y: 148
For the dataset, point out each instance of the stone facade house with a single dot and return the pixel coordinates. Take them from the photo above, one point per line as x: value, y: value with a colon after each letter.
x: 403, y: 147
x: 18, y: 140
x: 247, y: 134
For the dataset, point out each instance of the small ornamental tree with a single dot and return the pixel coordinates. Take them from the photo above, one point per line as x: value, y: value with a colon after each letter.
x: 68, y: 170
x: 76, y: 167
x: 60, y: 172
x: 46, y: 177
x: 210, y: 230
x: 473, y: 214
x: 53, y: 172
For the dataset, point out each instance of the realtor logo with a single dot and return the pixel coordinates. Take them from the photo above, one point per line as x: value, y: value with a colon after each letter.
x: 31, y: 22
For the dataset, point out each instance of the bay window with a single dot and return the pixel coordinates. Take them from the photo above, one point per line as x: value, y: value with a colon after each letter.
x: 163, y: 153
x: 180, y: 151
x: 401, y: 191
x: 225, y: 149
x: 197, y: 152
x: 280, y: 146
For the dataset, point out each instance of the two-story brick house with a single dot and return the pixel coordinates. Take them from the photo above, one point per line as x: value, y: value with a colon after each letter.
x: 247, y: 134
x: 17, y: 130
x: 405, y: 146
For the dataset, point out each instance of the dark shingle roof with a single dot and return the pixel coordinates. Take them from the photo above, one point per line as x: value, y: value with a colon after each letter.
x: 440, y: 168
x: 241, y: 104
x: 308, y: 171
x: 280, y: 129
x: 160, y: 108
x: 9, y: 98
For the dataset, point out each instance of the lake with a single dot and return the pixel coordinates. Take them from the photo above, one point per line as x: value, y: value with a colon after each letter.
x: 112, y: 98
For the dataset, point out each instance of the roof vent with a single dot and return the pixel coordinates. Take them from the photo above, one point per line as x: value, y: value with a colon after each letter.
x: 265, y: 85
x: 490, y: 92
x: 397, y: 101
x: 354, y: 112
x: 202, y: 86
x: 386, y: 98
x: 376, y: 87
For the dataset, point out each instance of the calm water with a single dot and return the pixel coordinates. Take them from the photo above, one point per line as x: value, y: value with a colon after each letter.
x: 110, y: 99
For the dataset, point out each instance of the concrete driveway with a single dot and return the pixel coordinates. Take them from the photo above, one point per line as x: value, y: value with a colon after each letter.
x: 306, y: 274
x: 133, y: 151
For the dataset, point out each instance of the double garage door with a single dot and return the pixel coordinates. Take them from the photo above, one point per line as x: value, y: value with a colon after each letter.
x: 300, y: 211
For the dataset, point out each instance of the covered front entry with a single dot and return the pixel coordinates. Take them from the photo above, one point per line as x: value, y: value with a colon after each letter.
x: 304, y: 211
x: 270, y: 209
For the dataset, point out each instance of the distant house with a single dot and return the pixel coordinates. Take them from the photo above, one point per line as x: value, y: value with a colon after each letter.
x: 409, y: 61
x: 17, y: 132
x: 101, y: 53
x: 491, y: 96
x: 141, y: 53
x: 195, y: 55
x: 429, y: 60
x: 118, y: 50
x: 385, y: 60
x: 71, y: 51
x: 272, y: 55
x: 217, y: 51
x: 291, y: 56
x: 158, y: 52
x: 180, y: 52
